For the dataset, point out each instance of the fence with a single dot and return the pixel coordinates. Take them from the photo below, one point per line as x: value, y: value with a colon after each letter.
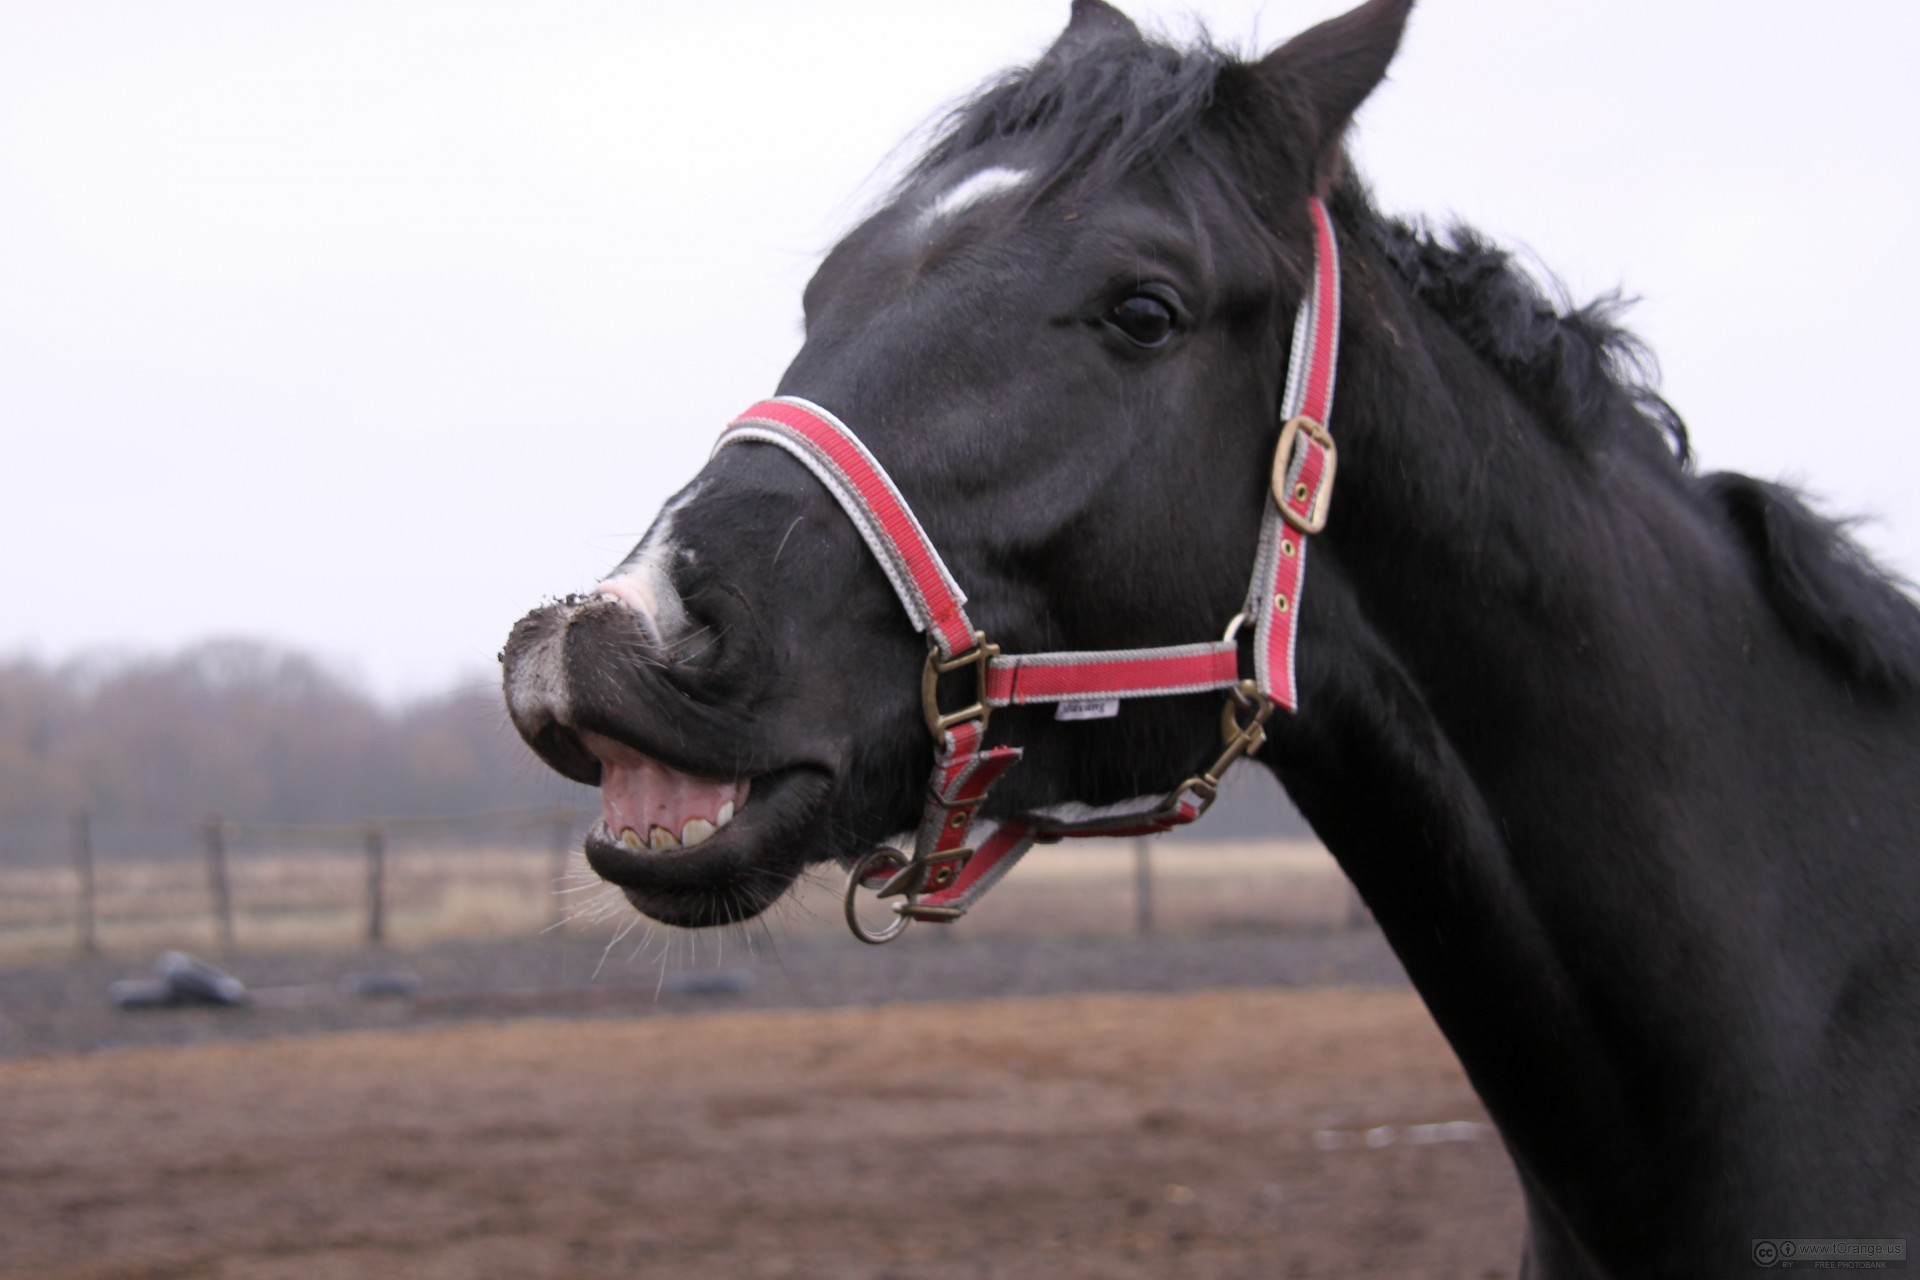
x: 371, y: 837
x: 275, y: 882
x: 227, y: 884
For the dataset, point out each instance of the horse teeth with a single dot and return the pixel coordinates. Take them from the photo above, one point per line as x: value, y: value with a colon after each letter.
x: 725, y: 815
x: 631, y: 838
x: 661, y: 838
x: 697, y: 831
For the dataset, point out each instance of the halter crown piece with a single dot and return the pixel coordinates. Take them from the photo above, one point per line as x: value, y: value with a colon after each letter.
x: 955, y: 860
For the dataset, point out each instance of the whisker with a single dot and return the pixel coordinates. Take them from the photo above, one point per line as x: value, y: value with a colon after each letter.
x: 612, y: 942
x: 783, y: 538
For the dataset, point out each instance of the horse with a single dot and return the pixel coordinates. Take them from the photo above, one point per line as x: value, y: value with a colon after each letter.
x: 1618, y: 754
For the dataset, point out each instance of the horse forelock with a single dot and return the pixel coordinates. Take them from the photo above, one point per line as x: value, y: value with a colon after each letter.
x: 1084, y: 121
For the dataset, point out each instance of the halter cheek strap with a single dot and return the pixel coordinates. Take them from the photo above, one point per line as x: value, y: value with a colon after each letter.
x: 949, y: 868
x: 1303, y: 467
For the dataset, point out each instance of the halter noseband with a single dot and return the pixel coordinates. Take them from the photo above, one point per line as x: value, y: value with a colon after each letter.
x: 946, y: 874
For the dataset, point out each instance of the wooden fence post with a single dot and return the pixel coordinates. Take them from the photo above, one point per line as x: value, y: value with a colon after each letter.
x: 560, y: 848
x: 83, y: 878
x: 376, y: 842
x: 216, y: 845
x: 1142, y: 885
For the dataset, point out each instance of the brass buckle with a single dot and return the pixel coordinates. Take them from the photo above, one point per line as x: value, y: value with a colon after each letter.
x: 910, y: 878
x: 977, y: 657
x: 1316, y: 518
x: 930, y: 874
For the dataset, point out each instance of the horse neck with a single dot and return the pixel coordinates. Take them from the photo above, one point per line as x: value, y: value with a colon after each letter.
x: 1532, y: 657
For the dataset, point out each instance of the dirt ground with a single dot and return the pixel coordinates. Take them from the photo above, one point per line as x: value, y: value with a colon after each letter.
x: 1218, y: 1133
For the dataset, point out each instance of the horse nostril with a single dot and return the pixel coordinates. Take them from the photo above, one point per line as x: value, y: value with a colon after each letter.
x: 712, y: 651
x: 636, y: 593
x: 722, y: 642
x: 650, y: 599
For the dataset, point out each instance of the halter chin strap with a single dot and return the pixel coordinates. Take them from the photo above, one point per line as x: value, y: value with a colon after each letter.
x: 952, y: 863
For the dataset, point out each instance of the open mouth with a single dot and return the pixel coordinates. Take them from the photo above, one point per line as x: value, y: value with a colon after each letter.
x: 646, y: 805
x: 696, y: 851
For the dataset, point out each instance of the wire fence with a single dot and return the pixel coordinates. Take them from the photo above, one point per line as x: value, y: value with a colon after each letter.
x: 229, y: 884
x: 88, y: 886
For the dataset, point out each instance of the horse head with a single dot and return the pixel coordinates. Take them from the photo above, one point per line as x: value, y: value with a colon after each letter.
x: 1065, y: 338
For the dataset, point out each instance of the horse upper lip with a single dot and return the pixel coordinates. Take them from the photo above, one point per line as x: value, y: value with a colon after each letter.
x: 726, y: 760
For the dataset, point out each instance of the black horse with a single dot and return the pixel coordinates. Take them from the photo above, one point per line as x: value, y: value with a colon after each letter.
x: 1622, y: 757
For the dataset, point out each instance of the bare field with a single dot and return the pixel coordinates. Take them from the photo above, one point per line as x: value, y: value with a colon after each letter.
x: 1129, y: 1106
x: 1255, y: 1133
x: 307, y: 899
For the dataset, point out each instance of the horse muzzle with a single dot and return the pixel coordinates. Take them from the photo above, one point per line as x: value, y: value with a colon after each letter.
x: 700, y: 822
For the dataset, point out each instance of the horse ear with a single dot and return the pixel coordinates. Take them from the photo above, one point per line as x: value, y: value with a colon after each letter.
x: 1327, y: 71
x: 1093, y: 22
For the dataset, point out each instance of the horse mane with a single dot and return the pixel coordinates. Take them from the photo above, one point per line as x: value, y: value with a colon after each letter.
x: 1830, y: 594
x: 1123, y: 106
x: 1586, y: 376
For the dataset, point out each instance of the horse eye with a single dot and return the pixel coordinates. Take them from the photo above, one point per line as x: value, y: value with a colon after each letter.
x: 1143, y: 318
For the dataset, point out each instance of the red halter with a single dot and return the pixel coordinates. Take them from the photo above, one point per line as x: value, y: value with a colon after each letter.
x: 946, y: 874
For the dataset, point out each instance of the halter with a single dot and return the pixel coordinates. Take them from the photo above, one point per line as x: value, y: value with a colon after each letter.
x: 950, y: 869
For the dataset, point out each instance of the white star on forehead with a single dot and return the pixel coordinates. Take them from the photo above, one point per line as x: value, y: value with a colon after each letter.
x: 971, y: 190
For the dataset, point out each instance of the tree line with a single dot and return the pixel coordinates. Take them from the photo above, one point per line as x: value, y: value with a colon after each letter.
x: 253, y: 732
x: 256, y: 732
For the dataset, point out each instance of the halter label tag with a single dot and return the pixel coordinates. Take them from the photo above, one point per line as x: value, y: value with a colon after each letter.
x: 1088, y: 709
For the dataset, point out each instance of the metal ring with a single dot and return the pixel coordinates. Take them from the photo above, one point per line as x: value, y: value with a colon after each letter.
x: 895, y: 860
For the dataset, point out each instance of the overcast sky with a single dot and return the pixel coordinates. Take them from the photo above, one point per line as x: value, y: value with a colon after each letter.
x: 364, y: 327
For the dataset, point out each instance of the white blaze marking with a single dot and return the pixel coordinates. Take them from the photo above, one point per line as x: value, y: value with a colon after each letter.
x: 644, y: 583
x: 972, y: 190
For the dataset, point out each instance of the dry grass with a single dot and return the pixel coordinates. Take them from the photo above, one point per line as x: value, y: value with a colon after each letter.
x: 316, y: 898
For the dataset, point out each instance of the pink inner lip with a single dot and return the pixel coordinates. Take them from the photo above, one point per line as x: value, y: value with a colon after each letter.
x: 638, y: 793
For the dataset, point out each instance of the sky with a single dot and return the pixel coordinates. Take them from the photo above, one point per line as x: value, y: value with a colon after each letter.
x: 366, y: 327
